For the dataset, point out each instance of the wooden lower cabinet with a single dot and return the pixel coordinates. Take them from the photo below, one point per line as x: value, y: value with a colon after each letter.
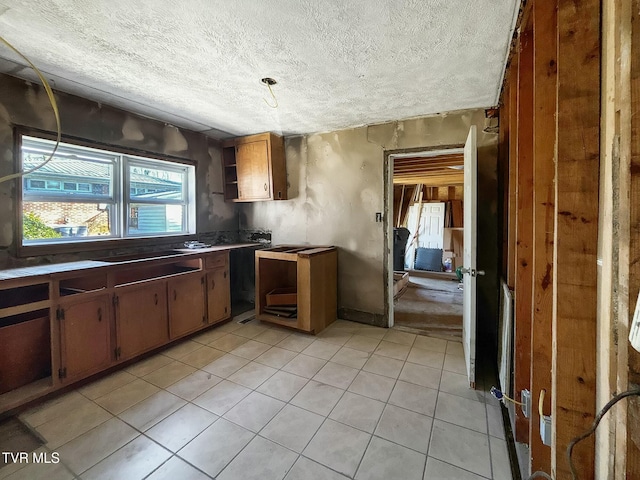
x: 141, y: 318
x: 311, y: 271
x: 186, y: 304
x: 63, y: 327
x: 85, y: 337
x: 218, y: 295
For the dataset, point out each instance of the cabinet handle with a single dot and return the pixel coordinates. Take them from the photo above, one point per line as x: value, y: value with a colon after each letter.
x: 155, y: 297
x: 213, y: 284
x: 175, y: 294
x: 265, y: 187
x: 100, y: 314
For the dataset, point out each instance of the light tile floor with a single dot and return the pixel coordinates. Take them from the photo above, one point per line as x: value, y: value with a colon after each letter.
x: 259, y: 402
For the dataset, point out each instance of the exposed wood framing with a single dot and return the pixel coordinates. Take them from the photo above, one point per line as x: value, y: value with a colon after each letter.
x: 524, y: 226
x: 432, y: 171
x: 577, y: 173
x: 503, y: 174
x: 513, y: 172
x: 632, y: 142
x: 609, y: 235
x: 544, y: 16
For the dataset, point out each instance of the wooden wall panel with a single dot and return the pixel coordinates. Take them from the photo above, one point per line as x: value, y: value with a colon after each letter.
x: 544, y: 153
x: 524, y: 227
x: 577, y: 170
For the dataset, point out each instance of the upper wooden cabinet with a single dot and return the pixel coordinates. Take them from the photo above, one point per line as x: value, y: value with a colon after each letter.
x: 254, y: 168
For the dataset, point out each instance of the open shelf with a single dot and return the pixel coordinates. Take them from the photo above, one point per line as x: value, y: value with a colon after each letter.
x: 229, y: 156
x: 147, y: 273
x: 23, y: 295
x: 83, y: 284
x: 26, y: 353
x: 308, y: 271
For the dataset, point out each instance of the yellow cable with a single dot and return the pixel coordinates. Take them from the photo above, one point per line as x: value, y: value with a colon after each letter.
x: 54, y: 105
x: 541, y: 402
x: 274, y: 97
x: 512, y: 400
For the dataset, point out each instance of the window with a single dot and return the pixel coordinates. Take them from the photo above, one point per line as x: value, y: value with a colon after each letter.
x: 87, y: 194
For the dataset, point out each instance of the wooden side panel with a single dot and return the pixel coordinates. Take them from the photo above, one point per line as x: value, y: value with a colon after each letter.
x: 25, y: 355
x: 576, y: 237
x: 323, y: 285
x: 278, y: 167
x: 544, y: 152
x: 305, y: 307
x: 524, y: 227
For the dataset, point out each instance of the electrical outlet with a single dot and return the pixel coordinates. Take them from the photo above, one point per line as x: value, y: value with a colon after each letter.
x: 525, y: 397
x: 545, y: 429
x: 634, y: 331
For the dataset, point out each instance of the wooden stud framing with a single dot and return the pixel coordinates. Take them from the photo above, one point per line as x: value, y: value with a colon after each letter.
x: 576, y: 235
x: 513, y: 172
x: 632, y: 142
x: 544, y: 152
x: 524, y: 227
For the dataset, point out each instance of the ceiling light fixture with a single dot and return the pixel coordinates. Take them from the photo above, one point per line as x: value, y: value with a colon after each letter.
x: 268, y: 81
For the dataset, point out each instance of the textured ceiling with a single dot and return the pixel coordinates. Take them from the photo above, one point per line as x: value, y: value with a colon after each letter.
x: 198, y: 63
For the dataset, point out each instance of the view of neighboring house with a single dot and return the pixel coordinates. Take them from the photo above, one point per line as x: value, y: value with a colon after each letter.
x: 74, y: 193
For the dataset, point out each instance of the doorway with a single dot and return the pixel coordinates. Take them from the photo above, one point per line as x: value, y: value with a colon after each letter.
x: 425, y: 194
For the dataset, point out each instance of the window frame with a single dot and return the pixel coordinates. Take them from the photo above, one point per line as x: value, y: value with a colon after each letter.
x: 120, y: 196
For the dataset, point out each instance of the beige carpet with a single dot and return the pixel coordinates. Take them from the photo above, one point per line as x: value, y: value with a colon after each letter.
x: 432, y: 305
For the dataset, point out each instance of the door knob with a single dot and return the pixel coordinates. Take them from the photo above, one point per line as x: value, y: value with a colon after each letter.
x: 472, y: 271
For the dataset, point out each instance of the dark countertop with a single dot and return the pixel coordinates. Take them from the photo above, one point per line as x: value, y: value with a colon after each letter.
x: 53, y: 268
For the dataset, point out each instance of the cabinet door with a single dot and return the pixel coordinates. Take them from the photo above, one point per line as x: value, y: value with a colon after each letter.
x: 218, y: 295
x: 186, y: 304
x: 252, y: 164
x: 85, y: 334
x: 141, y: 315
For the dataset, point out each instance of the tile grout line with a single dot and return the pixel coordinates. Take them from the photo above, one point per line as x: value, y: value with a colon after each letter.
x: 326, y: 361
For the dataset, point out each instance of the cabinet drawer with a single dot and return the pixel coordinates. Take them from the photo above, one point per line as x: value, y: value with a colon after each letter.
x: 216, y: 260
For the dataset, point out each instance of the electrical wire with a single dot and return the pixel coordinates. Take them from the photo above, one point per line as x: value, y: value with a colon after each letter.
x: 502, y: 397
x: 54, y: 106
x: 594, y: 425
x: 272, y: 95
x: 540, y: 473
x: 541, y: 402
x: 574, y: 475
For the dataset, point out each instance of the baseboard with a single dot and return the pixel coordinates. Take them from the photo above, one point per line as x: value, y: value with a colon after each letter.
x: 375, y: 319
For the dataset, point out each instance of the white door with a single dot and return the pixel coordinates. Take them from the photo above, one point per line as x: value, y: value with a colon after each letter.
x: 427, y: 232
x: 469, y: 254
x: 431, y: 226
